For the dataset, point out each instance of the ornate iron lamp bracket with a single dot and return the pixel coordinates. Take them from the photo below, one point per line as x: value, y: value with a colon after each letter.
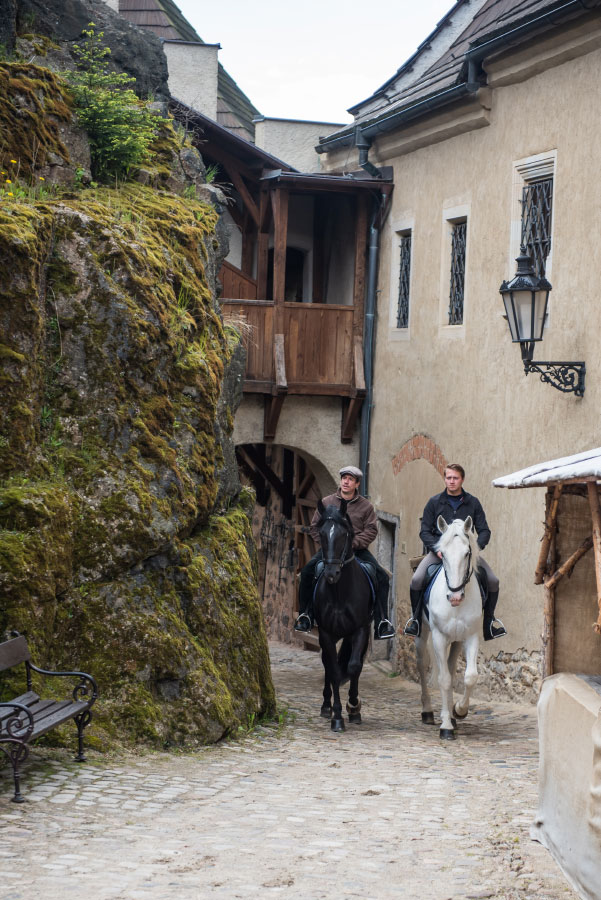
x: 567, y: 377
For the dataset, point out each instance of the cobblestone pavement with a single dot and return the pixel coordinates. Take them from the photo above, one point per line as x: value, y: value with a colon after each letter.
x: 384, y: 810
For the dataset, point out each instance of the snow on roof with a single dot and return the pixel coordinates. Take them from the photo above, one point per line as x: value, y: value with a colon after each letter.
x: 583, y: 466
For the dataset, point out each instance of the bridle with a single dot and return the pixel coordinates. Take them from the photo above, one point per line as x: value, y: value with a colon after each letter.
x: 470, y: 572
x: 342, y: 560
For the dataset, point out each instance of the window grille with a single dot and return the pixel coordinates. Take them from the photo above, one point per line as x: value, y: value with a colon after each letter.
x: 458, y: 237
x: 537, y: 204
x: 402, y: 316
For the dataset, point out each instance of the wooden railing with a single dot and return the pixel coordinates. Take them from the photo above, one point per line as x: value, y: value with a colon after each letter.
x: 318, y: 345
x: 235, y: 284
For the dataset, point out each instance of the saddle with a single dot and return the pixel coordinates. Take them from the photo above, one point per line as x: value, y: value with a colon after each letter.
x: 368, y: 568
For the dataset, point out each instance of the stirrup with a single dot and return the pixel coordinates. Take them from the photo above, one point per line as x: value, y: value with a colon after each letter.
x: 412, y: 627
x: 495, y: 632
x: 303, y: 623
x: 387, y: 628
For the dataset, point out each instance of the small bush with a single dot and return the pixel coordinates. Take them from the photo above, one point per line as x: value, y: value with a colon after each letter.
x: 119, y: 126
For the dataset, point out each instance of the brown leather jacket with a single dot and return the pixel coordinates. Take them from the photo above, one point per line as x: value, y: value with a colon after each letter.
x: 362, y: 516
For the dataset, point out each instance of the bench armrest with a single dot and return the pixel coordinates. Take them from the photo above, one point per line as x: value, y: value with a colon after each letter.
x: 13, y: 727
x: 85, y: 690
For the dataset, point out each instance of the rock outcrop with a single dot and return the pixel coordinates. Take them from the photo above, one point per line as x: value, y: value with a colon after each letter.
x: 125, y: 542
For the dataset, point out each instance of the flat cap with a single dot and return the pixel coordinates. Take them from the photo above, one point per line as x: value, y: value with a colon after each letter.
x: 351, y: 470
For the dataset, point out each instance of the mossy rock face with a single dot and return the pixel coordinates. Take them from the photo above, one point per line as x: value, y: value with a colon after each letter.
x: 125, y: 547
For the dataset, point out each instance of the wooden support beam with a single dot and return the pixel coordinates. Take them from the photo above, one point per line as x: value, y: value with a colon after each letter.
x: 273, y: 404
x: 263, y: 245
x: 246, y: 196
x: 255, y: 477
x: 280, y: 238
x: 358, y: 367
x: 279, y: 360
x: 288, y: 479
x: 259, y: 463
x: 553, y: 498
x: 566, y: 567
x: 593, y: 497
x: 360, y: 264
x: 350, y: 412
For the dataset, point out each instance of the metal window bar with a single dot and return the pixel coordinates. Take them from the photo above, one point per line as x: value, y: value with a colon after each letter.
x: 537, y: 205
x: 458, y: 237
x: 402, y: 316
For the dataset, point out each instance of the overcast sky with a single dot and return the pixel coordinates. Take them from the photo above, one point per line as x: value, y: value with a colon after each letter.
x: 313, y: 59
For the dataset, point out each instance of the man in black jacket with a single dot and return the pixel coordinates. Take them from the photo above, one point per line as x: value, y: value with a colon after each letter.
x: 453, y: 503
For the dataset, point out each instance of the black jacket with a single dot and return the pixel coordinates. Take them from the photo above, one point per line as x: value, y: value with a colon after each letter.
x: 439, y: 505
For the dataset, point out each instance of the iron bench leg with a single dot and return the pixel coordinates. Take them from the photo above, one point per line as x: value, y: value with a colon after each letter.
x: 82, y: 721
x: 17, y: 754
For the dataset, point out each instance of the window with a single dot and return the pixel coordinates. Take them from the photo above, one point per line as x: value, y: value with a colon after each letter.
x: 458, y: 238
x: 402, y: 315
x: 537, y: 202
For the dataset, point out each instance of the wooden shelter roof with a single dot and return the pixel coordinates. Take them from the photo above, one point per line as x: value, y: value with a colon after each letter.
x: 581, y: 467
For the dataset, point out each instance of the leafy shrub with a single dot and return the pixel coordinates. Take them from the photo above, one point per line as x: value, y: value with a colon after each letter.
x: 119, y: 125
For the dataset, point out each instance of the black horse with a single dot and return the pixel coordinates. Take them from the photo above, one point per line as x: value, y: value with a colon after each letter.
x: 343, y: 610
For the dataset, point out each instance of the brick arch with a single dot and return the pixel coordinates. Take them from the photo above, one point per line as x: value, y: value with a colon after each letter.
x: 420, y: 446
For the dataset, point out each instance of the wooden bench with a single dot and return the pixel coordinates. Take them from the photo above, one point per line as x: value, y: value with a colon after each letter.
x: 29, y: 716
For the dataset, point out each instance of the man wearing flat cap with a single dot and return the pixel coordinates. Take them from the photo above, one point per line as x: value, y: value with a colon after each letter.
x: 365, y: 528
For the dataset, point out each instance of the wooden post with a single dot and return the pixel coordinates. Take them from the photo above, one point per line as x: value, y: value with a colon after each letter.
x: 550, y: 523
x: 593, y: 497
x: 263, y: 244
x: 280, y: 237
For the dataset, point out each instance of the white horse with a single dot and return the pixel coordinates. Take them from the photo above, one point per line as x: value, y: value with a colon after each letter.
x: 455, y: 619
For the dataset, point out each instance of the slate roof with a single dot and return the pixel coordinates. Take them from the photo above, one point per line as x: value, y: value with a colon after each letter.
x: 164, y: 18
x: 491, y: 19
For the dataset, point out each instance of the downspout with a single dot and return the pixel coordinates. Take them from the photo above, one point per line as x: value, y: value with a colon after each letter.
x: 368, y: 347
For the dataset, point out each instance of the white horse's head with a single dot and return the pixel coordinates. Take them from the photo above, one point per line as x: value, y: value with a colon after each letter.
x: 459, y: 550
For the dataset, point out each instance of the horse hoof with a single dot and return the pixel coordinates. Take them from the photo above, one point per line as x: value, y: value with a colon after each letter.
x: 337, y: 725
x: 325, y: 712
x: 458, y: 714
x: 355, y: 718
x: 447, y: 734
x: 428, y: 718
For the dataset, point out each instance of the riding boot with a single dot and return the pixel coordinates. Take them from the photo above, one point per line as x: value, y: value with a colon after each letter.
x: 304, y: 620
x: 383, y: 627
x: 414, y: 624
x: 491, y: 630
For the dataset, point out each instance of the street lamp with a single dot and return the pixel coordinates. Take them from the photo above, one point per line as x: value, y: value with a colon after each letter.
x: 526, y: 297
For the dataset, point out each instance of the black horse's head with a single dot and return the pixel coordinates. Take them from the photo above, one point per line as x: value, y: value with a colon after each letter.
x: 336, y: 536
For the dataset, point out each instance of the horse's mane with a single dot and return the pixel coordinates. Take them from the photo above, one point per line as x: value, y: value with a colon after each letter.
x: 456, y: 527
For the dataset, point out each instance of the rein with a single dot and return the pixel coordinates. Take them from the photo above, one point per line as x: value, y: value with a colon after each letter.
x: 470, y: 572
x: 342, y: 561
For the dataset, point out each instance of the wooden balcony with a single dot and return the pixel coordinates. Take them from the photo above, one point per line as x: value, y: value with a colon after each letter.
x: 314, y: 352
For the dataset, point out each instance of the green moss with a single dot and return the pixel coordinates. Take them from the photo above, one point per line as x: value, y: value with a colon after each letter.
x: 33, y: 103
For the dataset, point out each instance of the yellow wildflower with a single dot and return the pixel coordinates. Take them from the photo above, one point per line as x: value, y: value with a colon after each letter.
x: 41, y: 178
x: 13, y: 160
x: 8, y: 181
x: 10, y: 194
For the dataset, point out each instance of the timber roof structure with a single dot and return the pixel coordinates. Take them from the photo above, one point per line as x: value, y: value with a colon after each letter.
x: 440, y: 68
x: 234, y: 109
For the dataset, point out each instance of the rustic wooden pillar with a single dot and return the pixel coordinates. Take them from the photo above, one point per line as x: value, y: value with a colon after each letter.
x: 593, y: 497
x: 553, y: 497
x: 263, y: 244
x: 280, y: 238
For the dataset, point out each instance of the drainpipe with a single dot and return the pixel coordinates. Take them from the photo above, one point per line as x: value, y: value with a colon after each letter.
x: 368, y: 348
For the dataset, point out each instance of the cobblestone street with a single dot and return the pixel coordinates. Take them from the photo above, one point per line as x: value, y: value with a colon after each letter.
x: 384, y: 810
